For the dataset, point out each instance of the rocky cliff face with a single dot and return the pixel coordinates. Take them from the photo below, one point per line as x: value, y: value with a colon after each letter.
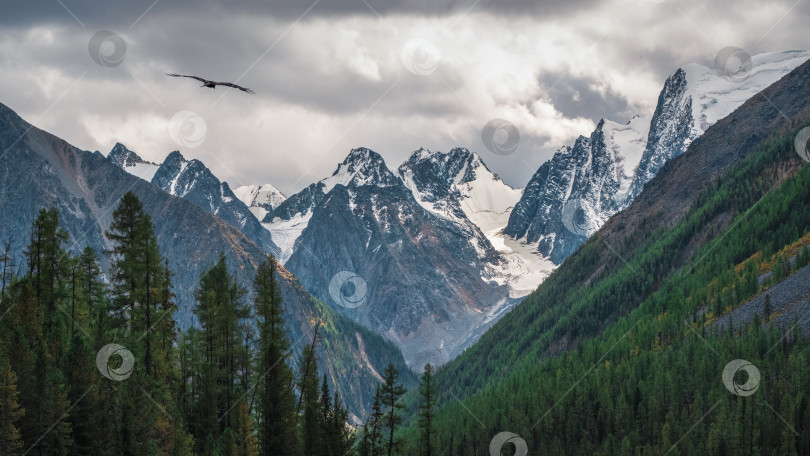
x: 575, y: 192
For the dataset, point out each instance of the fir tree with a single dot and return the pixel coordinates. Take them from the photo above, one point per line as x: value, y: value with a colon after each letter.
x: 426, y: 410
x: 136, y: 268
x: 7, y: 271
x: 244, y: 439
x: 374, y: 425
x: 219, y: 308
x: 310, y: 400
x: 343, y: 437
x: 11, y: 443
x: 391, y: 394
x: 276, y: 401
x: 46, y: 257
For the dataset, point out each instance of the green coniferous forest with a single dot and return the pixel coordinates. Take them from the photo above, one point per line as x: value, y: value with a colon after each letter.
x: 96, y: 365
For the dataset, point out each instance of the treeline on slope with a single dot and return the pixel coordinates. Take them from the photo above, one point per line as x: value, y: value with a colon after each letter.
x: 654, y: 376
x: 94, y: 365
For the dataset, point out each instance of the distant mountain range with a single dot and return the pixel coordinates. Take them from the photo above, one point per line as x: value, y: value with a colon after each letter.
x: 443, y: 246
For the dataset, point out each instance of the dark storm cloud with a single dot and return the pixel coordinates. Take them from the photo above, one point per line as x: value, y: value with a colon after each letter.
x: 584, y: 97
x: 93, y: 13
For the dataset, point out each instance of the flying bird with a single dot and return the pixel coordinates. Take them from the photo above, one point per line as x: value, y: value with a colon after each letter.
x: 212, y: 84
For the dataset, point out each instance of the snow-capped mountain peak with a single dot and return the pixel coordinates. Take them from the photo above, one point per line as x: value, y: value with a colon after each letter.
x: 694, y: 98
x: 458, y: 186
x: 602, y: 174
x: 130, y: 162
x: 261, y: 199
x: 361, y: 167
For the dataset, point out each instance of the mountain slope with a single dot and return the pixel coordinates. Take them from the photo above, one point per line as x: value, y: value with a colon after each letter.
x: 39, y: 170
x: 678, y: 220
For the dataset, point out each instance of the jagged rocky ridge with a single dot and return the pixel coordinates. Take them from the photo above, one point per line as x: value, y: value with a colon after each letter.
x: 193, y: 181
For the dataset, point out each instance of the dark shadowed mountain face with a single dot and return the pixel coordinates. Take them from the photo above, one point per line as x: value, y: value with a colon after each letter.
x: 576, y: 195
x: 40, y: 170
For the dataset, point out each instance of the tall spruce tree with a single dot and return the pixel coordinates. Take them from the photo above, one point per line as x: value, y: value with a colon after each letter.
x: 46, y: 257
x: 427, y: 410
x: 310, y: 401
x: 276, y: 397
x: 148, y: 412
x: 136, y: 269
x: 46, y: 401
x: 220, y: 307
x: 374, y: 425
x: 343, y: 435
x: 7, y: 271
x: 11, y: 443
x: 392, y: 392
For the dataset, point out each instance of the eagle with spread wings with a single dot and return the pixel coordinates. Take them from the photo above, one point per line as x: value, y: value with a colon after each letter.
x: 212, y: 84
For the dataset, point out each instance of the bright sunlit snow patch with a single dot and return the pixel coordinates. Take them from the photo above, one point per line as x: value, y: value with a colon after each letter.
x: 145, y: 171
x: 714, y: 97
x: 285, y: 232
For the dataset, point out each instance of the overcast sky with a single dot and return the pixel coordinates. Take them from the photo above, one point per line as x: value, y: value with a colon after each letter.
x: 331, y: 75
